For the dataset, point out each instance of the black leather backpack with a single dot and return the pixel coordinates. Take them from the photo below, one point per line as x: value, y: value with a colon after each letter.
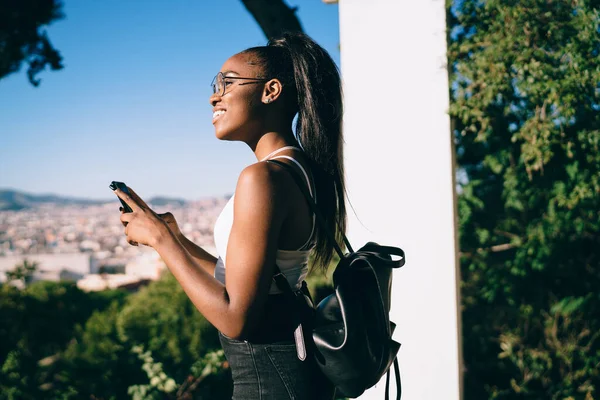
x: 351, y: 332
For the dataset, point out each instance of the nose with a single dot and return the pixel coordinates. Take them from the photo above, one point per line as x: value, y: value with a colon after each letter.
x: 214, y: 99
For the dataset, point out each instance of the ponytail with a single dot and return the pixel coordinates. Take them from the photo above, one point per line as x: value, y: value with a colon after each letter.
x: 315, y: 93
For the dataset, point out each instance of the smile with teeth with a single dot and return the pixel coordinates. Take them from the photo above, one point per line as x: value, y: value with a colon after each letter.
x: 217, y: 114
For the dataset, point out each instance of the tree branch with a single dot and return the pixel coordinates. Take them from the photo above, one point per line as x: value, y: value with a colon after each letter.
x: 22, y: 39
x: 494, y: 249
x: 273, y: 16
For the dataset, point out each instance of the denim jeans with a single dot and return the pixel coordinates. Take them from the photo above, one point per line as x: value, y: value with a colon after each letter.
x: 272, y: 371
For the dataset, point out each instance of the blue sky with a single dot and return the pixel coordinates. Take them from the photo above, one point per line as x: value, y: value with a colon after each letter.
x: 131, y: 103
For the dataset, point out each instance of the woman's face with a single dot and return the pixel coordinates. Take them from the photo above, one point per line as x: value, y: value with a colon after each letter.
x: 238, y: 112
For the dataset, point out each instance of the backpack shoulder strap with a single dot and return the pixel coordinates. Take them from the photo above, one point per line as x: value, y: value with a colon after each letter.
x: 314, y: 208
x: 398, y: 384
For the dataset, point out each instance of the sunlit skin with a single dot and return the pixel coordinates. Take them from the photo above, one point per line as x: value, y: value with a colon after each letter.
x: 270, y: 212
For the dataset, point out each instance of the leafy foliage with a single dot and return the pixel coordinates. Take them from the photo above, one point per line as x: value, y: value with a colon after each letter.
x: 148, y: 347
x: 41, y: 319
x: 525, y: 108
x: 164, y: 320
x: 22, y: 273
x: 96, y: 364
x: 161, y: 386
x: 36, y: 324
x: 59, y: 342
x: 23, y: 40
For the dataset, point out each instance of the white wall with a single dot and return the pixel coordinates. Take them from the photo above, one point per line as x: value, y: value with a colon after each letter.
x: 399, y: 171
x: 78, y: 263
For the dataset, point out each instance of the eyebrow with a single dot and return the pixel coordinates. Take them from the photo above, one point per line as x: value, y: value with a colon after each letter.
x: 229, y: 72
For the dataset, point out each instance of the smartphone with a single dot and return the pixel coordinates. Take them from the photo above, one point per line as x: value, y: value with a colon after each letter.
x: 120, y: 185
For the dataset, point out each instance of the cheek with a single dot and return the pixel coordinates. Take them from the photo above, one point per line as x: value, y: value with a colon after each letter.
x: 254, y: 109
x: 241, y: 120
x: 246, y: 112
x: 248, y: 109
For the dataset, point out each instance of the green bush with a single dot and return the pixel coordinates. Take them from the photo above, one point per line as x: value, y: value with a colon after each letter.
x: 163, y: 319
x: 60, y: 342
x: 525, y: 108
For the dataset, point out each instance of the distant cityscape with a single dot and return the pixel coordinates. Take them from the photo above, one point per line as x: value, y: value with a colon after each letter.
x: 83, y: 241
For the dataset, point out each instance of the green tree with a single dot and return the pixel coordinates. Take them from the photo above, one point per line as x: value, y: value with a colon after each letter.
x: 97, y: 363
x: 163, y: 319
x: 16, y: 381
x: 22, y: 273
x: 22, y: 39
x: 155, y: 339
x: 41, y: 319
x: 208, y: 378
x: 525, y: 108
x: 36, y: 324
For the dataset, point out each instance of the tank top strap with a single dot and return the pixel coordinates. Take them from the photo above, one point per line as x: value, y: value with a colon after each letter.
x: 279, y: 151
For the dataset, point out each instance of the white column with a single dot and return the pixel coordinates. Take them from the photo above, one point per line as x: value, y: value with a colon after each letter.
x: 399, y: 173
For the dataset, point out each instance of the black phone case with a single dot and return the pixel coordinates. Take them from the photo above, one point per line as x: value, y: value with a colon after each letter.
x: 120, y: 185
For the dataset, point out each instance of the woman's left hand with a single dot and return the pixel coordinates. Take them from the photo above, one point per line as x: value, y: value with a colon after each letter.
x: 142, y: 225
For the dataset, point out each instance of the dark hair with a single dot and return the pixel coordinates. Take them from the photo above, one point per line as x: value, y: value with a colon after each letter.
x: 315, y: 93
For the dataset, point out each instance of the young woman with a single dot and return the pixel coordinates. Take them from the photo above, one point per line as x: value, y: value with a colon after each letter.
x: 268, y: 221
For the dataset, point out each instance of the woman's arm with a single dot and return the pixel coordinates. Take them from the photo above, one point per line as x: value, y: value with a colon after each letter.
x: 202, y: 257
x: 259, y: 211
x: 206, y: 260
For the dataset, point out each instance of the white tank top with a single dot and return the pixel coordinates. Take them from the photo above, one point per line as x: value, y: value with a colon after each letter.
x: 293, y: 263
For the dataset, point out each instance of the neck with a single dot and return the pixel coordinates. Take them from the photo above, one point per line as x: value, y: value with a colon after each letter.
x: 272, y: 141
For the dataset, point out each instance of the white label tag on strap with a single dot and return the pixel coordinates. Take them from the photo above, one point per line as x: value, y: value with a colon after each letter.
x: 300, y: 345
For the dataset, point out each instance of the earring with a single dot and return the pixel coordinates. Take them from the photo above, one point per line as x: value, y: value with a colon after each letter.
x: 268, y: 100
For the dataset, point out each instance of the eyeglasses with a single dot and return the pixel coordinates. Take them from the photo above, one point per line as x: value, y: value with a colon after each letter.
x: 220, y: 82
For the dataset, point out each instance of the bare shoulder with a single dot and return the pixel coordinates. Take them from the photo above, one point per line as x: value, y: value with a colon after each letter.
x: 261, y: 180
x: 262, y: 175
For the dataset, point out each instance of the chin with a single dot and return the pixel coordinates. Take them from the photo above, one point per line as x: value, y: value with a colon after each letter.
x: 226, y: 134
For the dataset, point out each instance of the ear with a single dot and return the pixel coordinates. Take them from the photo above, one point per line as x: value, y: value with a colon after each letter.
x: 272, y: 91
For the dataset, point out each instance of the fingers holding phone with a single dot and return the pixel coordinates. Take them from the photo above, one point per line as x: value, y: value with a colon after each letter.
x: 125, y: 208
x: 121, y: 187
x: 137, y: 199
x: 169, y: 218
x: 124, y: 223
x: 142, y: 225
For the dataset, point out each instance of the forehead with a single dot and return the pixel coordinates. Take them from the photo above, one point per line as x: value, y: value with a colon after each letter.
x: 243, y: 64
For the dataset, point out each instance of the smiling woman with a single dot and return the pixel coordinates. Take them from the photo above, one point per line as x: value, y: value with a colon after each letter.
x: 267, y: 222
